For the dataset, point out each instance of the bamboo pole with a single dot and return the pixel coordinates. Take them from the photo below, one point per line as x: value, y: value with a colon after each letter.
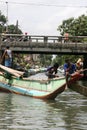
x: 12, y: 71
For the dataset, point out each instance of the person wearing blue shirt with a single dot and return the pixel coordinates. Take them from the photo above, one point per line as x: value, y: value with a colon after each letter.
x: 69, y: 68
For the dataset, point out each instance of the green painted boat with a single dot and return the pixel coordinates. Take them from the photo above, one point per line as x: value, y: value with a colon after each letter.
x: 42, y: 89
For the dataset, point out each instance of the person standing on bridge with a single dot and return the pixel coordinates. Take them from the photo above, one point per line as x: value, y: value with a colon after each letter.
x: 7, y: 57
x: 66, y: 37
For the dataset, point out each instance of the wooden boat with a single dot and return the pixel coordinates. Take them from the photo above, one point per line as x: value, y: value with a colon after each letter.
x: 78, y: 87
x: 43, y: 89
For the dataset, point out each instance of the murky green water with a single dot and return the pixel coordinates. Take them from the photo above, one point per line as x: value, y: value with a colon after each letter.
x: 67, y: 112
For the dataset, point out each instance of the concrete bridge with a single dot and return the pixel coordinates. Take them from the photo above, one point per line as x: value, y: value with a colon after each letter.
x: 35, y: 44
x: 44, y: 44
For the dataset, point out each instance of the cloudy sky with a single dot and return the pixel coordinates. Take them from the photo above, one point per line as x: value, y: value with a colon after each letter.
x: 41, y: 17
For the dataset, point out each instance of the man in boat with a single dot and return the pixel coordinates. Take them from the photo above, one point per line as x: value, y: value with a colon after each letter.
x: 79, y: 64
x: 52, y: 71
x: 69, y: 68
x: 7, y: 55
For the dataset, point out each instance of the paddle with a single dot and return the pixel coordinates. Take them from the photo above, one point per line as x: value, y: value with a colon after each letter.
x: 19, y: 72
x: 12, y: 71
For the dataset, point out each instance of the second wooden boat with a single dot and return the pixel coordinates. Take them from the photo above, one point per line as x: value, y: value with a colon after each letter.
x: 79, y: 87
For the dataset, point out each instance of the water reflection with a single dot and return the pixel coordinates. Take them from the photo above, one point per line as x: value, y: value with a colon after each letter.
x: 72, y: 109
x: 67, y: 112
x: 5, y: 110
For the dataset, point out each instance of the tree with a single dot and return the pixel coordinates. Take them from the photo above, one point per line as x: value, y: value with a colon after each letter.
x: 45, y: 60
x: 61, y: 58
x: 13, y: 29
x: 75, y: 27
x: 2, y: 22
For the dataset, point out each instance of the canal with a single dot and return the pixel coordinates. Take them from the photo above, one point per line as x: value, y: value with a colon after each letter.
x: 67, y: 112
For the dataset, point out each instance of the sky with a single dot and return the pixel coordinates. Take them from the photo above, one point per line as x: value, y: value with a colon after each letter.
x: 41, y: 17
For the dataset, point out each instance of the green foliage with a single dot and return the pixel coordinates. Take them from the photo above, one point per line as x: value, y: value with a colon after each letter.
x: 13, y: 29
x: 61, y: 58
x: 2, y: 19
x: 45, y: 60
x: 75, y: 27
x: 2, y: 22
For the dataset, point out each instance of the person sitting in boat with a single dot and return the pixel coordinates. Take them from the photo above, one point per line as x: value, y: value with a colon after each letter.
x: 79, y: 64
x: 52, y: 71
x: 69, y: 68
x: 7, y: 55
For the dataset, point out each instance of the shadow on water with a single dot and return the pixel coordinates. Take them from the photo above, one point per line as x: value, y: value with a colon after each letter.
x: 72, y: 108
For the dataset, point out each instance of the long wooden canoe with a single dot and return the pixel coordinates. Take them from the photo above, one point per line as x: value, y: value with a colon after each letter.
x: 43, y: 89
x: 79, y: 87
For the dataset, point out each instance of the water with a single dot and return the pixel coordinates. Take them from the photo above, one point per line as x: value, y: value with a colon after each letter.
x: 67, y: 112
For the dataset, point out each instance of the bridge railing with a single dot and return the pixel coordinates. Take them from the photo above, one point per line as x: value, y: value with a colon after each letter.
x: 40, y: 41
x: 37, y: 38
x: 30, y: 38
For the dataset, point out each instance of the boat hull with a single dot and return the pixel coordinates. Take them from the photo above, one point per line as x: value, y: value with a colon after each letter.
x: 79, y: 88
x: 42, y: 89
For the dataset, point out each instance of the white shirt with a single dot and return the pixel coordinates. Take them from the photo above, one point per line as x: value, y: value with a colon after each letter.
x: 9, y: 52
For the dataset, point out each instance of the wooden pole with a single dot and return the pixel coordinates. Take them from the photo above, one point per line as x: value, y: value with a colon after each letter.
x: 12, y: 71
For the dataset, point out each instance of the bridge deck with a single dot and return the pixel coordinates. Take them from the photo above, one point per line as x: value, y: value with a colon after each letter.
x: 44, y: 44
